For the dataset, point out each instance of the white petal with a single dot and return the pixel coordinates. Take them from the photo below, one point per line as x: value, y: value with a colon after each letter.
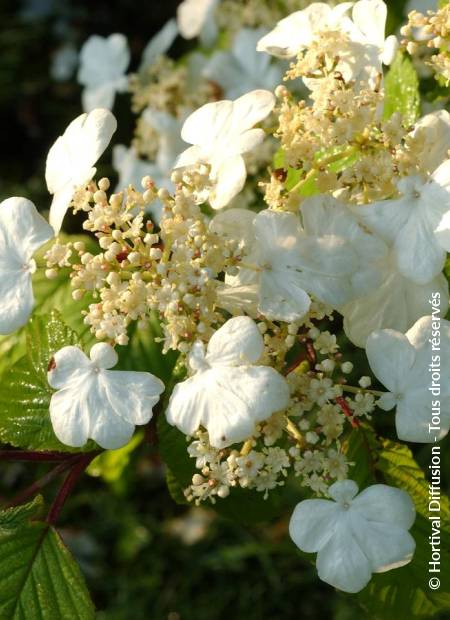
x: 22, y: 232
x: 419, y: 257
x: 343, y: 491
x: 370, y: 17
x: 236, y: 224
x: 433, y: 132
x: 386, y: 545
x: 99, y: 96
x: 70, y: 417
x: 159, y: 44
x: 103, y: 60
x: 385, y: 504
x: 281, y: 297
x: 238, y: 342
x: 191, y: 16
x: 204, y: 125
x: 103, y: 355
x: 16, y: 299
x: 390, y: 50
x: 312, y: 524
x: 252, y: 108
x: 189, y: 157
x: 228, y: 402
x: 231, y: 177
x: 131, y: 394
x: 391, y: 357
x: 70, y: 366
x: 71, y: 159
x: 341, y: 562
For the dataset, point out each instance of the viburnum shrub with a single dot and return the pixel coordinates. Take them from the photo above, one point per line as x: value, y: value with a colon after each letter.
x: 264, y: 291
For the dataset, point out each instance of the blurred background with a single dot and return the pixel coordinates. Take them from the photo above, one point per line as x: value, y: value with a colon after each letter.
x: 143, y: 556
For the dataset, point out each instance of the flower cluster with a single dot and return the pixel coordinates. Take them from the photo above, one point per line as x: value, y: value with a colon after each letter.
x: 354, y: 224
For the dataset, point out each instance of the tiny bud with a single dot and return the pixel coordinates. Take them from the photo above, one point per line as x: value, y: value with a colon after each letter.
x: 100, y: 197
x: 148, y: 196
x: 197, y: 479
x: 347, y: 368
x: 155, y: 253
x: 146, y: 182
x: 77, y: 294
x: 223, y: 491
x: 79, y: 246
x: 365, y: 382
x: 163, y: 194
x: 51, y: 274
x: 122, y: 340
x: 103, y: 184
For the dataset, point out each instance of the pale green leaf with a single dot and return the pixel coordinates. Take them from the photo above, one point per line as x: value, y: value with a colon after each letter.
x: 402, y: 90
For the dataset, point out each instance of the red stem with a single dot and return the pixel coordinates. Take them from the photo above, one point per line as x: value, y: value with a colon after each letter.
x: 67, y: 486
x: 42, y: 482
x: 347, y: 411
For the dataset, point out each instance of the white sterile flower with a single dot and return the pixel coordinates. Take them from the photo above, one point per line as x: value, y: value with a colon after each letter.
x: 159, y: 44
x: 431, y: 139
x: 103, y: 63
x: 417, y: 224
x: 228, y: 394
x: 243, y: 68
x: 404, y: 364
x: 395, y: 302
x: 71, y: 159
x: 221, y: 133
x: 93, y: 402
x: 196, y: 18
x: 365, y: 31
x: 355, y: 535
x: 283, y: 264
x: 22, y: 232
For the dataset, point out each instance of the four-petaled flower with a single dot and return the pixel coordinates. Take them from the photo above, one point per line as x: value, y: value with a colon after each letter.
x: 71, y: 160
x: 228, y: 393
x: 355, y: 535
x: 402, y: 362
x: 22, y: 232
x: 94, y: 402
x: 221, y: 133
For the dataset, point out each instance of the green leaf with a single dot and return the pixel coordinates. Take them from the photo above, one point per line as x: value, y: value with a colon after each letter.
x: 402, y: 90
x: 25, y: 395
x: 11, y: 518
x: 38, y: 576
x: 109, y: 465
x: 402, y: 593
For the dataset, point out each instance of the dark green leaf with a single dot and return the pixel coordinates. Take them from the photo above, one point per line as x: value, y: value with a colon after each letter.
x: 38, y: 576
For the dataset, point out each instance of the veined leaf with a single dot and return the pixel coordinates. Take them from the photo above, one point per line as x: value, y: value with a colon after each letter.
x: 25, y: 395
x: 402, y: 90
x: 38, y: 576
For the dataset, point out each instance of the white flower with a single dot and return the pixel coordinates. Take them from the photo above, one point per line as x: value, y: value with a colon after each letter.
x: 93, y: 402
x: 365, y: 31
x: 22, y: 232
x: 243, y: 68
x: 196, y: 18
x: 431, y: 139
x: 394, y: 302
x: 405, y: 364
x: 71, y: 159
x: 355, y: 536
x: 103, y: 63
x: 417, y: 224
x: 159, y: 44
x: 227, y: 393
x: 222, y: 132
x: 329, y: 259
